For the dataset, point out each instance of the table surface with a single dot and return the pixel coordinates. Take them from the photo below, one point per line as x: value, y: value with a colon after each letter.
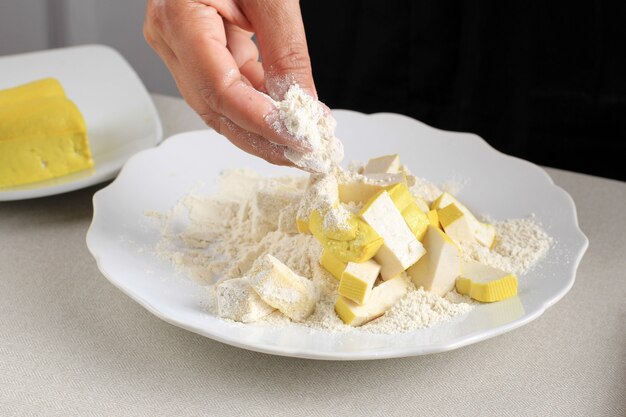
x: 72, y: 344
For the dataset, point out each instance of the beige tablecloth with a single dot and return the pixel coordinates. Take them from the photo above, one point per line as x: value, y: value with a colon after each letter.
x: 72, y: 344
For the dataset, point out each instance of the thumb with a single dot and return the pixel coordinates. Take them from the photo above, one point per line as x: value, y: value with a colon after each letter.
x: 282, y: 44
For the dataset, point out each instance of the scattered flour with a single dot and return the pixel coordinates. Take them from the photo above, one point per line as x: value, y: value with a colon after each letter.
x: 211, y: 238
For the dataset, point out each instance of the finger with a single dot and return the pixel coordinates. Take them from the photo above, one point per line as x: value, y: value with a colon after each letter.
x: 246, y: 55
x: 251, y: 143
x: 283, y: 46
x: 200, y: 45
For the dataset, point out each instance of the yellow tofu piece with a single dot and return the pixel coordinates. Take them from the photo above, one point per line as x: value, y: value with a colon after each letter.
x: 485, y: 283
x: 362, y: 247
x: 483, y: 233
x: 35, y: 90
x: 400, y: 195
x: 283, y: 289
x: 416, y: 219
x: 333, y: 265
x: 455, y: 223
x: 433, y: 218
x: 358, y: 280
x: 421, y: 203
x: 303, y: 225
x: 383, y: 164
x: 42, y: 139
x: 363, y: 190
x: 382, y: 298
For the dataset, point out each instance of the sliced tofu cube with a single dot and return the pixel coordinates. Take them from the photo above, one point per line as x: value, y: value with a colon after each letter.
x: 400, y: 195
x: 416, y: 219
x: 382, y: 298
x: 361, y: 191
x: 281, y: 288
x: 383, y: 164
x: 358, y: 280
x: 485, y: 283
x: 236, y: 300
x: 400, y: 248
x: 438, y: 270
x: 433, y: 219
x: 483, y: 233
x: 422, y: 204
x: 333, y: 265
x: 456, y: 223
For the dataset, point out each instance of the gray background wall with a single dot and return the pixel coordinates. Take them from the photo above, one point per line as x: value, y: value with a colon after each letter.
x: 30, y: 25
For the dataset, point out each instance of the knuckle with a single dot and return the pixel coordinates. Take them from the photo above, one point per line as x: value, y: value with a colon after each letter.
x: 212, y: 120
x: 293, y: 57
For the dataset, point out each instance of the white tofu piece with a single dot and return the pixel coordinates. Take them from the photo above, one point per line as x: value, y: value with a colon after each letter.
x: 360, y: 191
x: 383, y: 297
x: 236, y: 300
x: 400, y: 249
x: 283, y: 289
x: 383, y: 164
x: 439, y: 268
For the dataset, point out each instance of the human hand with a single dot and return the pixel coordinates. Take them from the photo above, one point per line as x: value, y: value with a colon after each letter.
x: 207, y: 46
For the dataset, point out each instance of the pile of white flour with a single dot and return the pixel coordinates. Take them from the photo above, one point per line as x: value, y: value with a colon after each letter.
x: 217, y: 237
x: 211, y: 238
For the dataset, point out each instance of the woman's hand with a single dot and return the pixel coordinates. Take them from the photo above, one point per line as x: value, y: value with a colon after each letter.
x: 207, y: 46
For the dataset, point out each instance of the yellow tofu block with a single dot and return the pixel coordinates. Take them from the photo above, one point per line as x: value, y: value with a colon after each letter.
x: 433, y: 218
x: 416, y: 219
x: 484, y: 283
x: 421, y: 203
x: 383, y: 164
x: 361, y: 248
x: 332, y: 264
x: 400, y: 195
x: 318, y: 225
x: 382, y: 298
x: 363, y: 190
x: 358, y: 280
x: 35, y: 90
x: 456, y: 223
x: 42, y: 139
x: 483, y: 233
x: 303, y: 226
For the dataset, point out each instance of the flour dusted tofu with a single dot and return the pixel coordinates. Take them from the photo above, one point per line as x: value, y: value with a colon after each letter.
x: 383, y: 297
x: 383, y: 164
x: 357, y: 281
x: 281, y: 288
x: 287, y: 219
x: 236, y: 300
x: 269, y: 202
x: 400, y: 248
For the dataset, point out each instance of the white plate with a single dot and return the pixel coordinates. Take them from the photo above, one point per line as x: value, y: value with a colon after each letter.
x: 121, y: 118
x: 496, y: 184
